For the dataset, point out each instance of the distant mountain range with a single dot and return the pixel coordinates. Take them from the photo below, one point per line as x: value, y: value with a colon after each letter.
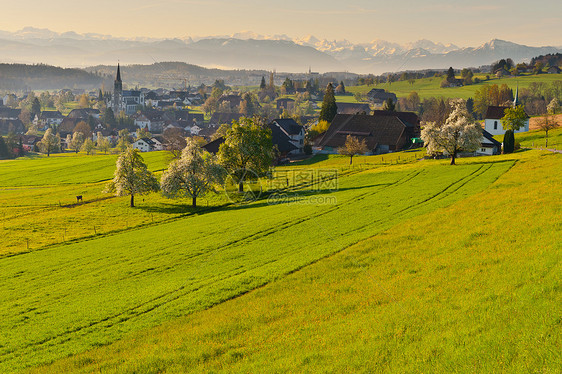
x: 253, y: 51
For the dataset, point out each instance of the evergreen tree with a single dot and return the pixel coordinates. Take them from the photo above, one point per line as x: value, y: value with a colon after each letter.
x: 329, y: 107
x: 20, y: 148
x: 109, y: 118
x: 262, y: 84
x: 508, y: 142
x: 35, y: 108
x: 4, y: 151
x: 451, y: 75
x: 470, y: 105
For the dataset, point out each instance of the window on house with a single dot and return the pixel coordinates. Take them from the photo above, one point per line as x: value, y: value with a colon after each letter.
x: 495, y: 125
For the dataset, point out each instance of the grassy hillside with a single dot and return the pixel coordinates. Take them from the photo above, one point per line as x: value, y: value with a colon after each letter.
x: 430, y: 87
x: 464, y: 278
x: 65, y: 299
x: 38, y: 200
x: 537, y: 139
x: 38, y: 196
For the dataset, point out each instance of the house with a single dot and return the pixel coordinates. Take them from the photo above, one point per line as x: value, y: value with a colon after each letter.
x: 157, y: 143
x: 48, y: 118
x: 213, y: 146
x: 9, y: 113
x: 353, y: 108
x: 553, y: 70
x: 15, y: 126
x: 489, y: 145
x: 68, y: 124
x: 29, y: 142
x: 280, y: 140
x: 410, y: 119
x: 208, y: 132
x: 382, y: 133
x: 293, y: 130
x: 232, y: 100
x: 493, y: 123
x: 378, y: 96
x: 110, y: 135
x: 154, y: 120
x: 141, y: 121
x: 144, y: 145
x: 286, y: 103
x: 219, y: 118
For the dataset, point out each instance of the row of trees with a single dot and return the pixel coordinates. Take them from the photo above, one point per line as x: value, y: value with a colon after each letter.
x: 79, y: 141
x: 247, y: 151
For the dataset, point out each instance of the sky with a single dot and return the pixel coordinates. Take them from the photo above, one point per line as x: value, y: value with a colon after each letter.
x: 463, y: 23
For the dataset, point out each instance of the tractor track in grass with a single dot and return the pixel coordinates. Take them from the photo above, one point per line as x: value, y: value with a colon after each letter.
x: 199, y: 285
x: 447, y: 191
x: 176, y: 294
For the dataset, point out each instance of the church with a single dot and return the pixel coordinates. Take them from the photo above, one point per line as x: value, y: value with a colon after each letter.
x: 494, y: 114
x: 127, y: 101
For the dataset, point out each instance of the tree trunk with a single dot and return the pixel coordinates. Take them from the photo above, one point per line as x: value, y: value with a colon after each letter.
x: 453, y: 156
x: 241, y: 186
x: 132, y: 201
x: 350, y: 159
x: 194, y: 201
x: 546, y: 141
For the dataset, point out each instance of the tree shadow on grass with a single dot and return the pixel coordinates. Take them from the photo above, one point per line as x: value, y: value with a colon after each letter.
x: 281, y: 197
x: 172, y: 209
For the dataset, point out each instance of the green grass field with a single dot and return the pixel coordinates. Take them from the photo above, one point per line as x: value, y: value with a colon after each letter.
x: 38, y: 200
x: 537, y: 139
x: 430, y: 87
x: 405, y: 266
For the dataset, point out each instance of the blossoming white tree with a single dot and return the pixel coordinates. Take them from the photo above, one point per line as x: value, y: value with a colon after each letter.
x: 194, y: 174
x: 459, y: 133
x: 132, y: 176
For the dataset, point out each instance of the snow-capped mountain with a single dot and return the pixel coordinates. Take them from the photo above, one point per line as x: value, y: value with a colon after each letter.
x: 249, y: 50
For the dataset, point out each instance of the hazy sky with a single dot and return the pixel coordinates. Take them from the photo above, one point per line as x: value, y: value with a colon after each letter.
x: 465, y: 23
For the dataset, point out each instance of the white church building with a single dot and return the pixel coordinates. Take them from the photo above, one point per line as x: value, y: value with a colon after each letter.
x: 494, y: 114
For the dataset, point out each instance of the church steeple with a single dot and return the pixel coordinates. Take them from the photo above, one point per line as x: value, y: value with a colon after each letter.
x: 117, y: 91
x: 516, y: 99
x: 118, y: 78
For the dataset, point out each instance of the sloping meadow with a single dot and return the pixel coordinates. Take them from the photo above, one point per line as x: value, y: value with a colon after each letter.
x: 66, y: 299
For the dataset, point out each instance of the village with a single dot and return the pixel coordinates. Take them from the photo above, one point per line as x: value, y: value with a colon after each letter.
x: 153, y: 120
